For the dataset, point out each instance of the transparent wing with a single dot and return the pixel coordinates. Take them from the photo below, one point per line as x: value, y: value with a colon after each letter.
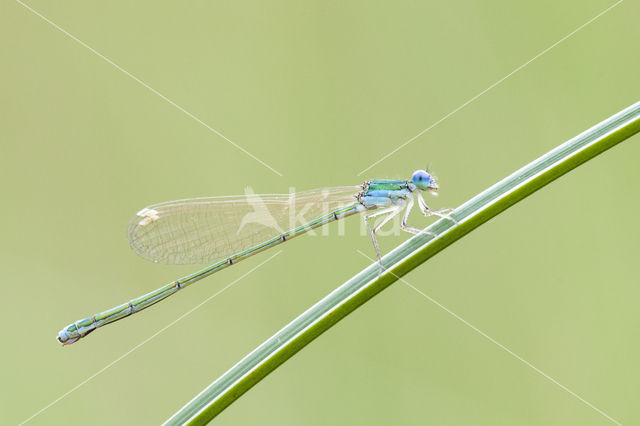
x: 202, y: 230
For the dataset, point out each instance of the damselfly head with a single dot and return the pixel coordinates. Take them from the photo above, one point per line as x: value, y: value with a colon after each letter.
x: 424, y: 181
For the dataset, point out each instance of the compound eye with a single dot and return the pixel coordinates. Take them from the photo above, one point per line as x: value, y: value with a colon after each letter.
x: 421, y: 179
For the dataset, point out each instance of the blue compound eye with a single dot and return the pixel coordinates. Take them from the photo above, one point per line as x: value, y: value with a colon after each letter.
x: 421, y: 179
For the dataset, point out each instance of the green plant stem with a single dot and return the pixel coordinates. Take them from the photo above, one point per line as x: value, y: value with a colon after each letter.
x: 362, y: 287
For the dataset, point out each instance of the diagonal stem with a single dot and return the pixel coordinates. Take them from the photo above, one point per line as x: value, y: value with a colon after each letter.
x: 404, y: 258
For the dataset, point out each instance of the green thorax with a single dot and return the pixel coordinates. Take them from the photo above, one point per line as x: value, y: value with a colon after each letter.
x: 385, y: 185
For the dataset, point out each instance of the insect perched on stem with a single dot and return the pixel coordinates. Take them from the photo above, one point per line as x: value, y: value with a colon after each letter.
x: 230, y: 229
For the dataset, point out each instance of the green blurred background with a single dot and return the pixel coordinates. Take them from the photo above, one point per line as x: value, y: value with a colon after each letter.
x: 319, y: 91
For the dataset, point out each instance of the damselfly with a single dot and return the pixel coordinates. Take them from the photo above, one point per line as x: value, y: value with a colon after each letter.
x: 230, y: 229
